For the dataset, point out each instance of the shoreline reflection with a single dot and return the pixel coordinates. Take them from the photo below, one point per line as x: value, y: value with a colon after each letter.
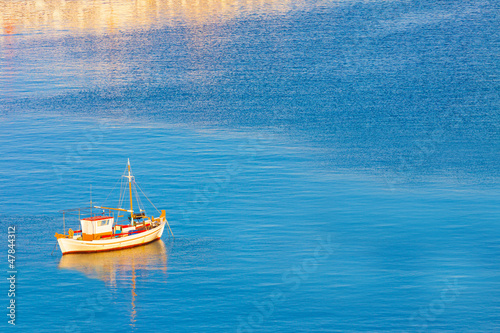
x: 115, y: 15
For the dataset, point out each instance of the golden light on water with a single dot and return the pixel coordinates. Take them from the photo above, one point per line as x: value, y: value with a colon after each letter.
x: 116, y: 15
x: 107, y: 61
x: 118, y: 265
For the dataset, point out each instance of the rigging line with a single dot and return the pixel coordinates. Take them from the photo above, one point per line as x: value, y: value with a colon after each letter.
x: 140, y: 200
x: 110, y: 192
x: 137, y: 198
x: 122, y: 190
x: 147, y: 197
x: 120, y: 199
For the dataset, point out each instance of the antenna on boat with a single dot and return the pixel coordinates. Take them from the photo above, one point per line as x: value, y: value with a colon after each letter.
x: 90, y: 199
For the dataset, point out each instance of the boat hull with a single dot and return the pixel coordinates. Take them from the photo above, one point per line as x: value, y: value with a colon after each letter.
x: 68, y: 245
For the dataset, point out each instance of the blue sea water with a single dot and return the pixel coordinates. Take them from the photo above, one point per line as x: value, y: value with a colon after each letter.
x: 326, y: 166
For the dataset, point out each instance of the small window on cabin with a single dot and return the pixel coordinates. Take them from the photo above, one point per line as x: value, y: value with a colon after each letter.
x: 103, y: 223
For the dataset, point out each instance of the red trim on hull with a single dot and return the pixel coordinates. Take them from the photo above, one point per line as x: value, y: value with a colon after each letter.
x: 108, y: 250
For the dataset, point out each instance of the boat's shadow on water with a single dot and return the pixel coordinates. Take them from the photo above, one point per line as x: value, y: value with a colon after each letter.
x: 120, y: 264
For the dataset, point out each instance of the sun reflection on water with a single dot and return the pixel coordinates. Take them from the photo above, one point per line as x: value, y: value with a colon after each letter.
x: 117, y: 15
x: 82, y: 44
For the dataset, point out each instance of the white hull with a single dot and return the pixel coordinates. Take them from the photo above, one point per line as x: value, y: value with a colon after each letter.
x: 68, y: 245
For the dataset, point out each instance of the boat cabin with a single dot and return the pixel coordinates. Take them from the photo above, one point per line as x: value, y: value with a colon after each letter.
x: 96, y: 226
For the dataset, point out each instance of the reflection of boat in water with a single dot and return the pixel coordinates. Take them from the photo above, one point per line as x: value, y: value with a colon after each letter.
x: 121, y: 265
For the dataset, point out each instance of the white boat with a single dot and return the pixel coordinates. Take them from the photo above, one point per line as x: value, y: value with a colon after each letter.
x: 99, y: 232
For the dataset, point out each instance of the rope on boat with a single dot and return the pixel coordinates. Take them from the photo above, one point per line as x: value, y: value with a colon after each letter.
x: 155, y: 208
x: 111, y: 192
x: 122, y: 192
x: 53, y: 248
x: 147, y: 197
x: 137, y: 197
x: 168, y: 225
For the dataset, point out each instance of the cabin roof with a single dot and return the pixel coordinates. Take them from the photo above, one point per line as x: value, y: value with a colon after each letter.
x: 97, y: 218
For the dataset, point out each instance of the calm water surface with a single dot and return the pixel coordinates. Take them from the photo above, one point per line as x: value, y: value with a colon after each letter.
x: 326, y: 166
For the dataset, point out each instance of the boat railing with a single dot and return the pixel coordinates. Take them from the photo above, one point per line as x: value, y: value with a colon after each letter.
x: 152, y: 222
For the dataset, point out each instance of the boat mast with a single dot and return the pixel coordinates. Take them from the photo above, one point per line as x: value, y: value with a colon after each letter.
x: 130, y: 191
